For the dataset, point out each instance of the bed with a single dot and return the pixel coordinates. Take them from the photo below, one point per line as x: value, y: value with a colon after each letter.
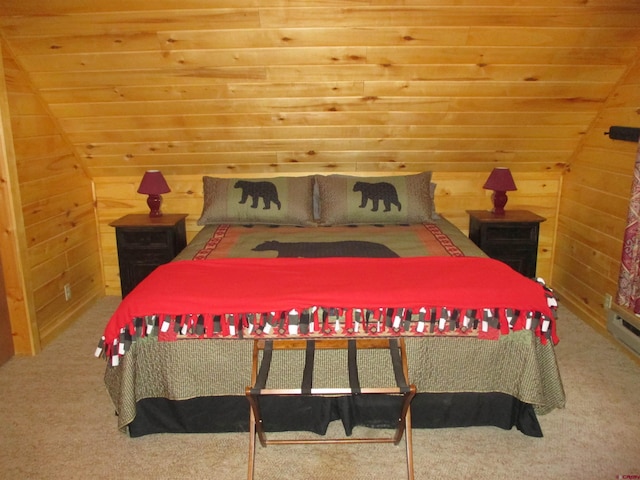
x: 331, y: 256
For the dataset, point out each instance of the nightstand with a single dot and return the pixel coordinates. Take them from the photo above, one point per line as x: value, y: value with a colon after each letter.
x: 511, y: 238
x: 144, y: 243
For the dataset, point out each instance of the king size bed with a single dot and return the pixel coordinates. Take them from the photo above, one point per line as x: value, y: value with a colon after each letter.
x: 323, y: 257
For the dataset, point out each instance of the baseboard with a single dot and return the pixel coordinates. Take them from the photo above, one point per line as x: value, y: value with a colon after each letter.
x: 53, y: 329
x: 598, y: 323
x: 624, y: 325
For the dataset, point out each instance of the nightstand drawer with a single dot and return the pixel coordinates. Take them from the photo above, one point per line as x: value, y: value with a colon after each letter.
x: 510, y: 233
x: 147, y: 256
x: 499, y: 252
x: 147, y: 238
x: 525, y: 264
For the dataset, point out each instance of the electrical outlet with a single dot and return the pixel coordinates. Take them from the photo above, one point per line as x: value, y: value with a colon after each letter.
x: 608, y: 299
x: 67, y: 291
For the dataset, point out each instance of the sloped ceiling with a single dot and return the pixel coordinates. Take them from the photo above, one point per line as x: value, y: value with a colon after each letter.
x: 294, y: 85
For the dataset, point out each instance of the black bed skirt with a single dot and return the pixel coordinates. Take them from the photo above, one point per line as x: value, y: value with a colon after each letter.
x: 313, y: 414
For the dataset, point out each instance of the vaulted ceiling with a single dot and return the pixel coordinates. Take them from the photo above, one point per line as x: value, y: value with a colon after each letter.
x: 296, y: 85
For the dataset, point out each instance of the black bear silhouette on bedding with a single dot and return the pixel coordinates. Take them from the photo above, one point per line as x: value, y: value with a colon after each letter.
x: 346, y: 248
x: 257, y: 190
x: 376, y: 192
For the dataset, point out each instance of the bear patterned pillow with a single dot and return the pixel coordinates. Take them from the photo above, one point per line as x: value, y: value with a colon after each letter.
x: 269, y: 201
x: 352, y: 200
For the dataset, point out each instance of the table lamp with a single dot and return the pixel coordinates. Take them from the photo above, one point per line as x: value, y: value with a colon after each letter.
x: 154, y: 185
x: 501, y: 182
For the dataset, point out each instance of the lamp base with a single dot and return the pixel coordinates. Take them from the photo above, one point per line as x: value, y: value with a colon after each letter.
x: 499, y: 201
x: 154, y: 202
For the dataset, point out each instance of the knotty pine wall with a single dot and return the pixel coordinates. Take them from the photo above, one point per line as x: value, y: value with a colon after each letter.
x: 593, y: 209
x: 56, y: 221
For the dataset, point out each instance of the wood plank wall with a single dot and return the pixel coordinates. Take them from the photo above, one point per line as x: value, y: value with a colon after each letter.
x: 59, y: 221
x: 593, y: 210
x: 289, y: 86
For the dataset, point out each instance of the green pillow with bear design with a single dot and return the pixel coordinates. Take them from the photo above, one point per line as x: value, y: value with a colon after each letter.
x: 353, y: 200
x: 267, y: 201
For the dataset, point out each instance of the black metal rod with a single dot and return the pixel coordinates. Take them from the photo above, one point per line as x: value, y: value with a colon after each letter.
x: 628, y: 134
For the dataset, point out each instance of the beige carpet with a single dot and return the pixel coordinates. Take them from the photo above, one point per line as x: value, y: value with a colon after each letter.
x: 57, y: 422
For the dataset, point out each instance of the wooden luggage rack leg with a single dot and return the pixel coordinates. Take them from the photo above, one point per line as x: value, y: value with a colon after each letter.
x: 260, y: 372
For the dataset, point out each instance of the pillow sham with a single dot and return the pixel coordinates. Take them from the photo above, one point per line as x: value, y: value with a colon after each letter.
x: 267, y: 201
x: 353, y: 200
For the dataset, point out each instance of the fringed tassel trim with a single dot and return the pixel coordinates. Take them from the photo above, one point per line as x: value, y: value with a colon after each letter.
x: 484, y: 323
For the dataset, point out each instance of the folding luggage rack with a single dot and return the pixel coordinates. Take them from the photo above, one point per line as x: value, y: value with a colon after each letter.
x: 260, y: 370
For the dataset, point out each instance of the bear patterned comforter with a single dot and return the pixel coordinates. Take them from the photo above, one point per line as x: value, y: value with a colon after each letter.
x: 179, y: 340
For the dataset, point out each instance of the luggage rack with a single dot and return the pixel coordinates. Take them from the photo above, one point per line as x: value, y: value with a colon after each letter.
x: 260, y: 371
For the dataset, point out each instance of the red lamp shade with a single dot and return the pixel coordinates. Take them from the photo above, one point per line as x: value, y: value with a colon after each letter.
x: 154, y: 185
x: 500, y: 181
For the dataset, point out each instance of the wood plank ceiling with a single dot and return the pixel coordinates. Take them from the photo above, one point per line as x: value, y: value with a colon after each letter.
x: 197, y: 86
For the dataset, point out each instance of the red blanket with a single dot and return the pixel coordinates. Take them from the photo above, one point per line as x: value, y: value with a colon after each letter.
x: 195, y: 294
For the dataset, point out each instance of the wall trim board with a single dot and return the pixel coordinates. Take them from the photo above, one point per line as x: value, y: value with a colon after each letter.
x: 12, y: 241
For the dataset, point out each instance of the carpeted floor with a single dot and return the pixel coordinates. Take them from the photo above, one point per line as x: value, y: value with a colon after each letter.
x: 57, y: 422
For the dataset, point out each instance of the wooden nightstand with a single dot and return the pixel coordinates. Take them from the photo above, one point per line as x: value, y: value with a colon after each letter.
x: 144, y: 243
x: 511, y: 238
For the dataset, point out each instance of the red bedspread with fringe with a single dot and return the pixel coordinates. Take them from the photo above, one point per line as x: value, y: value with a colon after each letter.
x: 282, y: 297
